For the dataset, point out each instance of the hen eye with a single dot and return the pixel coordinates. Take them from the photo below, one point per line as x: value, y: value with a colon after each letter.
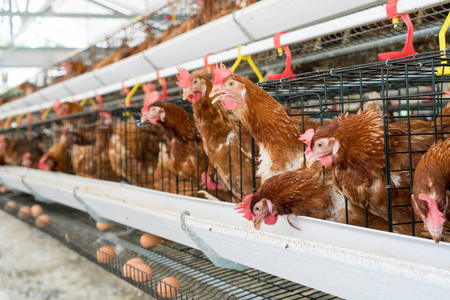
x: 320, y: 144
x: 195, y: 81
x: 231, y: 83
x: 256, y: 208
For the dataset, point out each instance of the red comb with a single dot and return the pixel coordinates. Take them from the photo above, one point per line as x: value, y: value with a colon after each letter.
x: 183, y: 78
x: 57, y: 105
x: 42, y: 164
x: 104, y: 114
x: 26, y: 155
x: 64, y: 133
x: 2, y: 138
x: 307, y: 139
x: 435, y: 216
x: 220, y: 73
x: 151, y: 96
x: 244, y: 207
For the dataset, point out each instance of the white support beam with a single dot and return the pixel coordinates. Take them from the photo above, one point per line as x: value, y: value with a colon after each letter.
x: 28, y: 21
x: 64, y: 15
x: 31, y: 57
x: 225, y: 34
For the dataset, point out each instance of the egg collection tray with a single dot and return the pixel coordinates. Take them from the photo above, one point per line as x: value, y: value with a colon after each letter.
x: 198, y: 277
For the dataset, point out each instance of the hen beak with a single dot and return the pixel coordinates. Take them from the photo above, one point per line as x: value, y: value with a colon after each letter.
x: 187, y: 93
x: 217, y: 97
x: 436, y: 233
x: 257, y: 224
x: 214, y: 93
x: 144, y: 118
x: 310, y: 160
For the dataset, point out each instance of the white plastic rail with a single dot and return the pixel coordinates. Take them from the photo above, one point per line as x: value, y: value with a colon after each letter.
x: 241, y: 27
x: 347, y: 261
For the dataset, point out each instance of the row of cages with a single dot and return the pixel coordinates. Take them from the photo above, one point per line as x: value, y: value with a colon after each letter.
x: 114, y: 145
x: 174, y: 19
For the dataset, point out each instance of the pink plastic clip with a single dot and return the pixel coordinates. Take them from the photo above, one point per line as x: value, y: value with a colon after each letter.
x: 288, y: 69
x: 391, y: 10
x: 30, y: 118
x: 163, y: 82
x: 205, y: 59
x: 126, y: 90
x: 99, y: 98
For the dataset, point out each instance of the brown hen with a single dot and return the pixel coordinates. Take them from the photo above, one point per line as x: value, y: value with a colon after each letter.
x: 354, y: 147
x: 228, y: 149
x: 432, y: 190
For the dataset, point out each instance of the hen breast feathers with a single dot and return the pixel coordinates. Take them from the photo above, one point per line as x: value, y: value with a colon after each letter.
x: 274, y: 130
x: 359, y: 168
x: 221, y: 139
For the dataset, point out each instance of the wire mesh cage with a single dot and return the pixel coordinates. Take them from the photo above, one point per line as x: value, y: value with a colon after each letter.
x: 414, y: 111
x: 113, y: 144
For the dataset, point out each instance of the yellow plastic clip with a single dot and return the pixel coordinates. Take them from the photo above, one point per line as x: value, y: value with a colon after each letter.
x: 248, y: 58
x: 8, y: 121
x: 19, y: 119
x: 133, y: 90
x: 443, y: 46
x: 91, y: 101
x: 46, y: 112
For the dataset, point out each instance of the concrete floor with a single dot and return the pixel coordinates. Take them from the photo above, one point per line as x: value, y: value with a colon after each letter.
x: 33, y: 265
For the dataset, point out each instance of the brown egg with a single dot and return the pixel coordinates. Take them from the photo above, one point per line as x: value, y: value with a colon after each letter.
x: 36, y: 210
x: 141, y: 273
x: 106, y: 255
x: 149, y: 240
x: 24, y: 212
x: 104, y: 226
x: 3, y: 189
x: 127, y: 267
x: 42, y: 221
x: 10, y: 206
x: 170, y: 287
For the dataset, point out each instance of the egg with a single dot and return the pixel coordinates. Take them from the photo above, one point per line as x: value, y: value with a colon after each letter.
x: 127, y: 267
x: 149, y: 240
x: 106, y: 255
x: 42, y: 221
x: 24, y: 212
x: 36, y: 210
x: 104, y: 226
x: 141, y: 273
x: 10, y: 206
x: 170, y: 287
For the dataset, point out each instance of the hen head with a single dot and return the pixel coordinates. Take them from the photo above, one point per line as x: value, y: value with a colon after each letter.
x: 257, y: 211
x: 194, y: 86
x: 3, y: 142
x: 46, y: 163
x: 231, y: 93
x: 105, y: 119
x: 155, y: 113
x: 228, y: 88
x: 26, y: 160
x: 61, y: 109
x: 319, y: 147
x: 67, y: 66
x: 427, y: 208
